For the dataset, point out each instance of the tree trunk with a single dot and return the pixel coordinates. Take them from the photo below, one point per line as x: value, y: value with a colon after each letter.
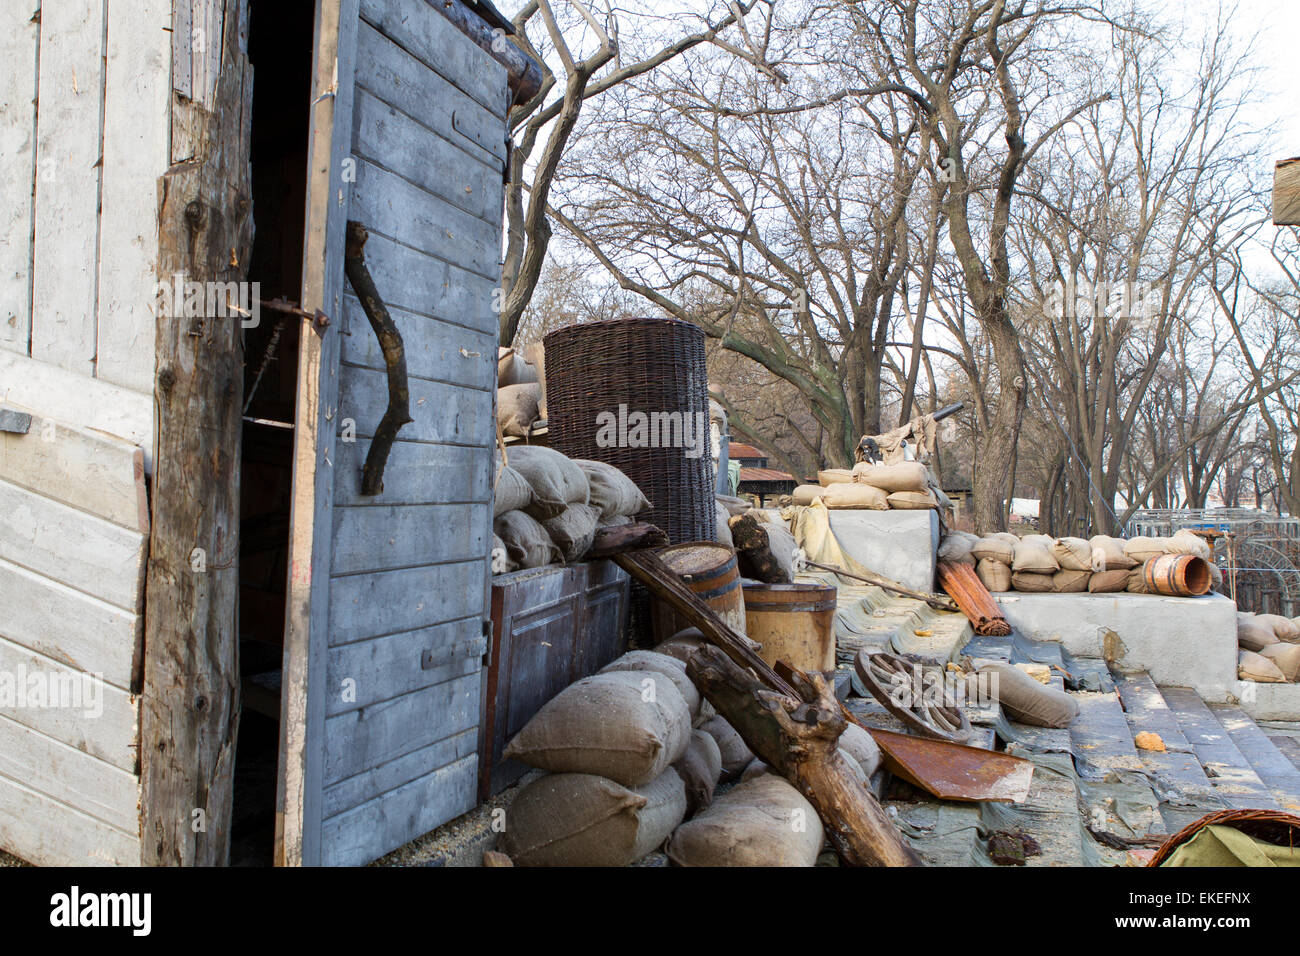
x: 189, y: 711
x: 992, y: 491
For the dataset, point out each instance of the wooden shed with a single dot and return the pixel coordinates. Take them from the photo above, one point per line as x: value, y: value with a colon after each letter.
x: 211, y: 637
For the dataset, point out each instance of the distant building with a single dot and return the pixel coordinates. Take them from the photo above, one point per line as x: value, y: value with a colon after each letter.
x: 756, y: 478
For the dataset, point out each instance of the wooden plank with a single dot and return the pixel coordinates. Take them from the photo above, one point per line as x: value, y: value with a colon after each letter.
x: 360, y: 740
x: 386, y: 70
x: 71, y: 776
x: 435, y: 350
x: 436, y: 43
x: 411, y: 215
x: 45, y: 832
x: 72, y: 547
x: 1231, y: 774
x: 366, y: 672
x: 417, y: 473
x: 362, y: 788
x: 137, y: 125
x: 444, y: 414
x: 1265, y: 759
x: 402, y: 536
x: 390, y: 139
x: 1286, y: 192
x: 410, y: 280
x: 400, y: 815
x: 69, y: 136
x: 190, y: 703
x: 309, y: 604
x: 49, y: 392
x: 369, y: 605
x: 19, y: 38
x: 99, y: 475
x: 112, y: 736
x: 73, y: 628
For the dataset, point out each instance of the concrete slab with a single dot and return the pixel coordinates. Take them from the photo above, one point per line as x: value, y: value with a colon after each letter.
x: 1185, y: 642
x: 899, y: 544
x: 1268, y: 701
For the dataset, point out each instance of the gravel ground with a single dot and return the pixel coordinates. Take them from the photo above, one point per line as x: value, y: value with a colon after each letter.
x: 7, y: 860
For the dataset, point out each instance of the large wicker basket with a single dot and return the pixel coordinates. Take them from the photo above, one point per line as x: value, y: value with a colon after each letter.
x: 600, y: 372
x: 1272, y: 826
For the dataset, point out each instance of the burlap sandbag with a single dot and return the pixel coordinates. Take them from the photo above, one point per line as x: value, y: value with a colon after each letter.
x: 614, y: 521
x: 1025, y: 700
x: 903, y: 476
x: 670, y: 667
x: 1254, y: 634
x: 580, y: 819
x: 512, y: 369
x: 1286, y: 657
x: 1072, y: 554
x: 628, y: 726
x: 613, y: 492
x: 556, y: 481
x: 512, y: 493
x: 1033, y: 582
x: 735, y: 755
x: 833, y: 476
x: 762, y: 822
x: 500, y: 557
x: 911, y: 500
x: 1137, y: 582
x: 1116, y: 559
x: 994, y: 548
x: 1258, y: 668
x: 700, y: 768
x: 1188, y: 542
x: 1070, y: 582
x: 1143, y: 549
x: 850, y: 494
x: 1108, y: 582
x: 1035, y: 557
x: 1283, y: 627
x: 862, y: 747
x: 721, y: 530
x: 517, y: 408
x: 803, y: 495
x: 995, y: 575
x: 527, y: 543
x: 956, y: 547
x: 573, y: 531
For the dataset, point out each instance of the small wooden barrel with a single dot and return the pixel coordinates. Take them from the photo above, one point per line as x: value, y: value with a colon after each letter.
x: 795, y: 623
x: 712, y: 572
x: 1177, y: 575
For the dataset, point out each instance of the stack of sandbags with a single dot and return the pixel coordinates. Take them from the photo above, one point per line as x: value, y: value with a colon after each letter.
x: 609, y: 743
x: 905, y: 485
x: 549, y: 507
x: 1268, y: 648
x: 1034, y: 564
x: 519, y: 393
x: 994, y: 555
x: 1111, y: 567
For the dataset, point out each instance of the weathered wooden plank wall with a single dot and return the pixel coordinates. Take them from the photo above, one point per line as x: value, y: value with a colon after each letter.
x: 84, y: 138
x: 73, y: 541
x: 408, y: 590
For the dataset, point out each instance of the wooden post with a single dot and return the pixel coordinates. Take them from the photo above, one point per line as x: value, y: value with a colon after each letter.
x: 190, y: 697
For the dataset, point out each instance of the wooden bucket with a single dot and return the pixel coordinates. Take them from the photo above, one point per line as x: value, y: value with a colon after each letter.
x: 712, y: 572
x: 1177, y: 575
x: 795, y: 623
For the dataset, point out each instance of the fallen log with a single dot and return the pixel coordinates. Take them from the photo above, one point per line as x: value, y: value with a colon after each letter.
x: 800, y: 739
x: 884, y: 583
x: 626, y: 537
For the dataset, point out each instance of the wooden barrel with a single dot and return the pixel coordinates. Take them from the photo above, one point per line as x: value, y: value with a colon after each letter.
x: 1177, y: 575
x: 712, y: 572
x: 795, y: 623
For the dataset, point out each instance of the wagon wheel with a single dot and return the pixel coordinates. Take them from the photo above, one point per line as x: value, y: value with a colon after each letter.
x: 942, y: 719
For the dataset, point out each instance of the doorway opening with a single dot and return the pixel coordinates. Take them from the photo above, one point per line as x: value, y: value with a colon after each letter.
x: 280, y: 48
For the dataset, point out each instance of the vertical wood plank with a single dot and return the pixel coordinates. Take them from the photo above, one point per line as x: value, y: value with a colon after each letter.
x: 302, y: 707
x: 190, y: 702
x: 19, y: 35
x: 136, y: 127
x: 68, y: 139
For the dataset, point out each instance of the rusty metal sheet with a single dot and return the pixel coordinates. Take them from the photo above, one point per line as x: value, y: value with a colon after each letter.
x: 954, y: 771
